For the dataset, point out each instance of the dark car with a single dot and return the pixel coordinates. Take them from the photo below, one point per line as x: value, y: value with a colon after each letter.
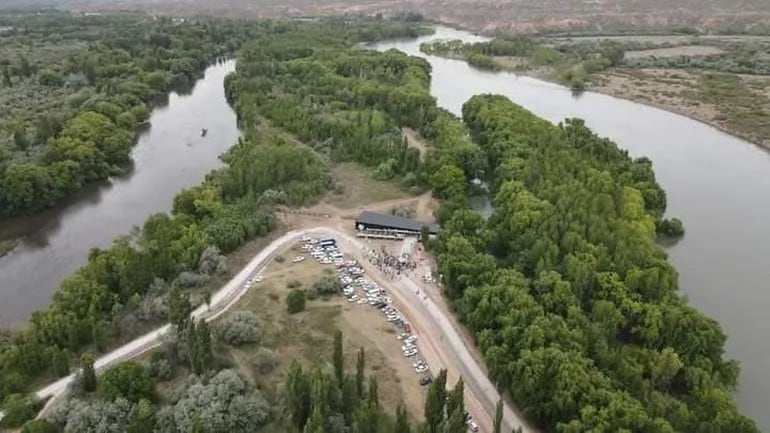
x: 426, y: 379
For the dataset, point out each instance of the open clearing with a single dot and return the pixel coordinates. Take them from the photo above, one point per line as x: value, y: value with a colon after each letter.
x: 359, y: 187
x: 308, y: 336
x: 683, y: 50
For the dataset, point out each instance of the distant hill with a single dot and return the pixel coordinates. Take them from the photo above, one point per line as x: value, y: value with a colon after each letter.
x: 520, y: 15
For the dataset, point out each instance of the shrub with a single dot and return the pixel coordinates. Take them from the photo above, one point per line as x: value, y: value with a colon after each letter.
x: 128, y: 380
x: 39, y: 426
x: 18, y: 408
x: 264, y: 360
x: 239, y: 328
x: 96, y: 417
x: 293, y: 284
x: 279, y: 259
x: 224, y: 404
x: 295, y: 301
x: 212, y: 261
x: 327, y: 285
x: 671, y: 227
x: 160, y: 369
x: 187, y: 280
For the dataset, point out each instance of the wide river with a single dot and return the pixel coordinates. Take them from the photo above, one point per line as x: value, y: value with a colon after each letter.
x: 717, y: 184
x: 170, y: 155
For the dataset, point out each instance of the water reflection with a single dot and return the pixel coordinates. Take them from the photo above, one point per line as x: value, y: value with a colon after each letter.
x: 168, y: 156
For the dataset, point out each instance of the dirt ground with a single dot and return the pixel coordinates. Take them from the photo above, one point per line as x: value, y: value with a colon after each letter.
x: 414, y: 140
x: 307, y: 336
x: 359, y: 187
x: 683, y: 50
x: 736, y: 104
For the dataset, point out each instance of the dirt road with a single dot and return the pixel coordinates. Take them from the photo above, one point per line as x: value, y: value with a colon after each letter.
x: 439, y: 341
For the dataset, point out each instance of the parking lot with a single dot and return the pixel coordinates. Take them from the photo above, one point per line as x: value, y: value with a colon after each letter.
x: 363, y: 292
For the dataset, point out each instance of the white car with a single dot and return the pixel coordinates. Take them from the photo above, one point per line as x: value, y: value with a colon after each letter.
x: 422, y: 368
x: 361, y: 301
x: 408, y: 347
x: 298, y: 259
x: 472, y: 426
x: 410, y: 353
x: 411, y: 339
x: 352, y: 298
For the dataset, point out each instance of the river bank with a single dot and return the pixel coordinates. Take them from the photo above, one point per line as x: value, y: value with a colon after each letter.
x: 711, y: 179
x: 736, y: 104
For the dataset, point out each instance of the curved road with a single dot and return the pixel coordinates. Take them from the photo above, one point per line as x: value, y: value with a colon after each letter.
x: 424, y: 312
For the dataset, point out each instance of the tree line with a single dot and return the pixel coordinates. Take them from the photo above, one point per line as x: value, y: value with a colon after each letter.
x: 574, y: 306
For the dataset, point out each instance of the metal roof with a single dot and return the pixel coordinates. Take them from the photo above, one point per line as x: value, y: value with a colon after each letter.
x: 394, y: 221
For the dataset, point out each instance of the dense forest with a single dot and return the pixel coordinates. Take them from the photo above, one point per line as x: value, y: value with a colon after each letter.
x: 574, y: 306
x: 76, y: 89
x: 348, y: 104
x: 134, y: 284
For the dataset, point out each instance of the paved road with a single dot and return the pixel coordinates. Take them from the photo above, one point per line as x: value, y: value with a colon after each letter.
x: 424, y: 312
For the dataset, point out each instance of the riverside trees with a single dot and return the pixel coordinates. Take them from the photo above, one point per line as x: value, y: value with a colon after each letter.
x: 573, y: 304
x: 91, y: 90
x: 133, y: 284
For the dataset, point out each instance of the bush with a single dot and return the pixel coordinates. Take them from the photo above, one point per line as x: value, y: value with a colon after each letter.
x: 264, y: 360
x: 128, y: 380
x: 95, y: 417
x: 671, y: 227
x: 295, y: 301
x: 239, y: 328
x: 328, y: 285
x: 224, y: 404
x: 212, y: 261
x: 39, y: 426
x: 279, y: 259
x: 160, y: 369
x: 293, y: 284
x: 187, y: 280
x: 18, y: 408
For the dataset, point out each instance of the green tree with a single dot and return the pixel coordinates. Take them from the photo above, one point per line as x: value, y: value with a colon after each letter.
x: 179, y: 307
x: 455, y: 399
x: 497, y: 422
x: 366, y: 418
x: 205, y: 349
x: 126, y: 380
x: 142, y: 418
x: 373, y: 391
x: 39, y: 426
x: 402, y: 420
x: 295, y: 301
x: 316, y: 422
x: 434, y: 403
x: 88, y: 373
x: 197, y: 425
x: 360, y: 372
x: 18, y: 408
x: 338, y: 357
x: 298, y: 395
x: 61, y: 361
x: 424, y: 235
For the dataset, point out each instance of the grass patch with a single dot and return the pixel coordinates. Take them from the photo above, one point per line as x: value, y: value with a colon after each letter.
x: 359, y: 187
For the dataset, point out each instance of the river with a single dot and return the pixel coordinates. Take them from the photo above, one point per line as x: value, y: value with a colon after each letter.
x: 717, y: 184
x: 170, y: 155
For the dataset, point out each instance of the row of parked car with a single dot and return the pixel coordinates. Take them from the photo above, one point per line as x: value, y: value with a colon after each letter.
x: 360, y: 290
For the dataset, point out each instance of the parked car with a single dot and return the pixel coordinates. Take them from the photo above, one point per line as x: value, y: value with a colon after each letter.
x: 421, y: 368
x: 298, y: 259
x: 410, y: 353
x: 425, y: 380
x: 402, y: 336
x: 472, y: 426
x: 352, y: 298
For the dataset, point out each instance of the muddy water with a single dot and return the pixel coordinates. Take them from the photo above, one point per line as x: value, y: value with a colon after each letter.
x: 170, y: 155
x: 717, y: 184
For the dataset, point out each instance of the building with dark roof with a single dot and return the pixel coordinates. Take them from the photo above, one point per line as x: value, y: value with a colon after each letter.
x: 392, y: 223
